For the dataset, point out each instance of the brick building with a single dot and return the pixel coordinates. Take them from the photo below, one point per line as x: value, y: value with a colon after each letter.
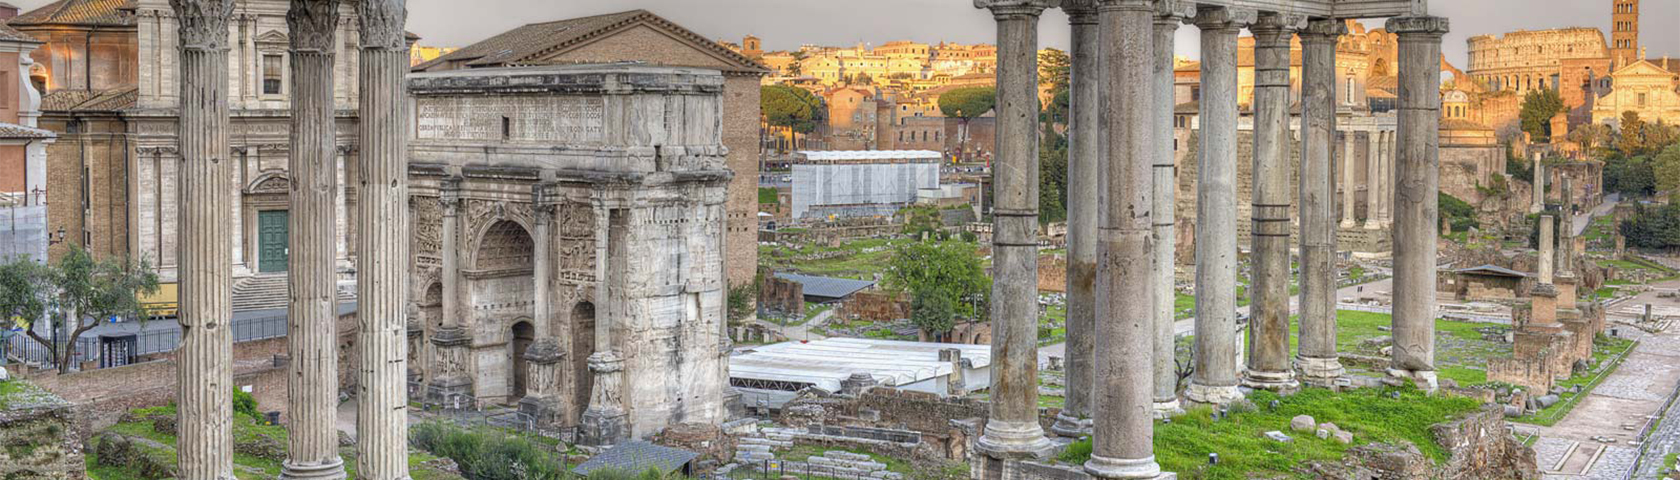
x: 641, y: 36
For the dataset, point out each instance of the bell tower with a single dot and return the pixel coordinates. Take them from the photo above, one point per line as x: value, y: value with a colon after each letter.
x: 1624, y: 32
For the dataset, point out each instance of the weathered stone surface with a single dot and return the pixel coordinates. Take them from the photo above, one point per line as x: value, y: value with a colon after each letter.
x: 1277, y: 436
x: 1302, y: 423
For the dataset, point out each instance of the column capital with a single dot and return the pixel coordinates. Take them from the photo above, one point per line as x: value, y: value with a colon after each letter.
x: 1002, y: 9
x: 313, y: 25
x: 1174, y: 11
x: 382, y: 24
x: 1124, y: 5
x: 1217, y: 18
x: 1323, y: 29
x: 203, y: 23
x: 1419, y: 26
x: 1080, y: 12
x: 1276, y: 23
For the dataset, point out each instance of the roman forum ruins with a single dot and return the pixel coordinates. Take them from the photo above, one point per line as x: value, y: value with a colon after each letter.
x: 1120, y: 274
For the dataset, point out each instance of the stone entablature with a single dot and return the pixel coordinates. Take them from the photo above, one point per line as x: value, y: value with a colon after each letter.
x: 588, y: 208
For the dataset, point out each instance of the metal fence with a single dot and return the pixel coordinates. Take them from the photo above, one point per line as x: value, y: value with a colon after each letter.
x: 158, y: 336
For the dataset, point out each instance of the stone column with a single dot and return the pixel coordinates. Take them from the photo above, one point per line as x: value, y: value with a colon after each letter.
x: 606, y: 422
x: 1373, y: 178
x: 1215, y: 380
x: 1348, y: 187
x: 1317, y: 345
x: 1124, y: 402
x: 1564, y: 259
x: 1539, y: 182
x: 449, y: 382
x: 542, y: 392
x: 312, y: 387
x: 1169, y: 14
x: 382, y: 251
x: 1417, y: 215
x: 1269, y: 365
x: 1013, y: 430
x: 1084, y: 194
x: 1547, y: 250
x: 1385, y: 211
x: 205, y: 368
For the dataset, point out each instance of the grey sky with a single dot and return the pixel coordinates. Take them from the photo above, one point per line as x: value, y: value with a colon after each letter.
x: 785, y: 24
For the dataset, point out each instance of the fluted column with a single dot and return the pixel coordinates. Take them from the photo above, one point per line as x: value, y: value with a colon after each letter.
x: 1348, y: 178
x: 1564, y: 258
x: 382, y: 253
x: 606, y: 422
x: 1084, y: 194
x: 1169, y: 14
x: 449, y: 382
x: 205, y: 359
x: 1269, y: 365
x: 1417, y: 216
x: 1539, y: 182
x: 1215, y: 380
x: 1373, y: 178
x: 542, y: 393
x: 1317, y: 345
x: 312, y: 387
x: 1012, y: 431
x: 1124, y: 401
x: 1385, y: 198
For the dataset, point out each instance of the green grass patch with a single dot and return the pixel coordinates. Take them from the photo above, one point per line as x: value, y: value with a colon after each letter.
x: 1372, y: 415
x: 1608, y: 353
x: 1669, y: 460
x: 766, y: 195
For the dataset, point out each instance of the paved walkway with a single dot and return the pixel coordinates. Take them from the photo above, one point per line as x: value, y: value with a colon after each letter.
x: 804, y: 331
x: 1618, y: 410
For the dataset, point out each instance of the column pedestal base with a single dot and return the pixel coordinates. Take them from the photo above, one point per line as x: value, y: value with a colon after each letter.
x: 1282, y: 382
x: 1424, y: 379
x: 1014, y: 441
x: 602, y: 428
x: 326, y: 471
x: 1211, y: 395
x: 1102, y: 467
x: 1320, y: 372
x: 1167, y: 408
x: 450, y: 392
x: 1071, y: 426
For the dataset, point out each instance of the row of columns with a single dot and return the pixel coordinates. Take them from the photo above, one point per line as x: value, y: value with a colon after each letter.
x: 1379, y: 179
x: 1121, y: 178
x: 205, y: 370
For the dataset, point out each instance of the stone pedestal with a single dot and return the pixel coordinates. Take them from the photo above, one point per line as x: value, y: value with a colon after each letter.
x: 542, y: 396
x: 606, y: 422
x: 450, y: 382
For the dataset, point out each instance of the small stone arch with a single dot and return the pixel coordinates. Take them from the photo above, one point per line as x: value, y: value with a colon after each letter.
x: 521, y: 334
x: 503, y: 245
x: 272, y: 181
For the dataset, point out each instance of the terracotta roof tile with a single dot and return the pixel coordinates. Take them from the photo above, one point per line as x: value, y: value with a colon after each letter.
x: 7, y: 33
x: 12, y: 131
x: 85, y: 101
x: 79, y: 12
x: 528, y: 43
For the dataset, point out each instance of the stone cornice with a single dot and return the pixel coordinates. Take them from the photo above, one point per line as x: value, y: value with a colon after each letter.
x: 1014, y: 8
x: 1271, y: 22
x: 1174, y: 10
x: 1125, y: 5
x: 1215, y: 18
x: 1420, y: 25
x: 1323, y: 29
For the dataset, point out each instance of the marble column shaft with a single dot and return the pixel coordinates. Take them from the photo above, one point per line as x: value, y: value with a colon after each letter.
x: 1317, y: 344
x: 1012, y: 430
x: 1547, y: 248
x: 1269, y: 365
x: 1349, y: 188
x: 1373, y: 178
x: 205, y: 359
x: 1539, y: 183
x: 382, y: 253
x: 1385, y: 199
x: 542, y: 396
x: 1085, y: 141
x: 1417, y: 215
x: 450, y: 341
x: 312, y: 342
x: 1215, y: 379
x: 1169, y: 15
x: 1124, y: 401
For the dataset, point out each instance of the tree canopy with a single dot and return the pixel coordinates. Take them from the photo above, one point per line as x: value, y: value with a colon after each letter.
x: 1538, y: 108
x: 968, y: 103
x: 1654, y: 227
x: 1666, y: 169
x: 940, y: 277
x: 85, y: 290
x: 792, y: 108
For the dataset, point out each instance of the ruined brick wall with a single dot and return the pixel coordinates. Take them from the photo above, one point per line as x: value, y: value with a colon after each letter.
x: 1526, y: 372
x: 40, y: 443
x: 781, y: 296
x: 1052, y: 273
x: 919, y: 411
x: 1481, y: 448
x: 876, y: 306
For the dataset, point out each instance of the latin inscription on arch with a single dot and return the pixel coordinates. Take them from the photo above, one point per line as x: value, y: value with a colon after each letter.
x: 550, y: 119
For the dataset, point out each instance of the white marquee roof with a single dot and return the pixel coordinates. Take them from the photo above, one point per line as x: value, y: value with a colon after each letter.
x: 825, y: 363
x: 832, y: 155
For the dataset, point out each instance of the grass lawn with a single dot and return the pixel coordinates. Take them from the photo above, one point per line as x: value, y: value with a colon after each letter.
x: 1461, y: 353
x: 1608, y: 353
x: 1372, y: 415
x: 1668, y: 460
x: 856, y: 259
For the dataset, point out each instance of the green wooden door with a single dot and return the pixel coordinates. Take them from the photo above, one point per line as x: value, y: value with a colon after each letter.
x: 272, y: 232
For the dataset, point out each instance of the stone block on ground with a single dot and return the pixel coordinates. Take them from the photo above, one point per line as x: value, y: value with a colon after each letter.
x: 1302, y: 423
x: 1279, y: 436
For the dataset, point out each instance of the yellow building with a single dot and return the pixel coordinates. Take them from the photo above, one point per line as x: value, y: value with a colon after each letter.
x: 1648, y: 88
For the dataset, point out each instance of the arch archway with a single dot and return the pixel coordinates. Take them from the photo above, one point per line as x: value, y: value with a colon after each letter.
x: 583, y: 345
x: 520, y: 337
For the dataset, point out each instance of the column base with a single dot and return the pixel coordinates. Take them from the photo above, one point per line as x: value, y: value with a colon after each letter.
x: 1103, y: 467
x: 1424, y: 379
x: 1320, y: 372
x: 1011, y: 440
x: 326, y: 471
x: 1211, y: 395
x: 1167, y: 408
x: 453, y: 392
x: 542, y: 409
x: 1283, y: 382
x: 602, y: 428
x: 1071, y: 426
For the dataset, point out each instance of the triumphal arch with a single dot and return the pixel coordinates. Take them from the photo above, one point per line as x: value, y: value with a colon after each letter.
x: 567, y: 247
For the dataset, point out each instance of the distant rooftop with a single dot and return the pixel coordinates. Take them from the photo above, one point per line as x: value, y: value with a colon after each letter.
x: 636, y: 457
x: 825, y: 363
x: 1493, y: 270
x: 827, y: 287
x: 856, y: 155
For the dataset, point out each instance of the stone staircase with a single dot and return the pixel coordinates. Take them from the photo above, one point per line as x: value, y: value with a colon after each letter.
x: 269, y: 291
x: 758, y: 451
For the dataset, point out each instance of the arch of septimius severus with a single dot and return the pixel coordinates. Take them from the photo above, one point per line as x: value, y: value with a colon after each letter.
x: 1120, y: 344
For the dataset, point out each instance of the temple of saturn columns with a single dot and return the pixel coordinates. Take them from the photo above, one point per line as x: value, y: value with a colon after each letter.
x: 565, y: 225
x: 1120, y: 362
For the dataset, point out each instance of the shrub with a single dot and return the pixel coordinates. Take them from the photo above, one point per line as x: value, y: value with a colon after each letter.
x: 245, y: 404
x: 488, y: 454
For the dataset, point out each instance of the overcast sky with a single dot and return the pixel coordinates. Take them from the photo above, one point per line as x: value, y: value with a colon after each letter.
x: 785, y: 24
